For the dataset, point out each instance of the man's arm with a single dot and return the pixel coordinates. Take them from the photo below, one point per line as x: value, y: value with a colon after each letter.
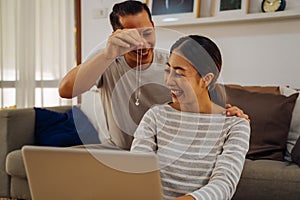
x: 66, y: 85
x: 84, y: 76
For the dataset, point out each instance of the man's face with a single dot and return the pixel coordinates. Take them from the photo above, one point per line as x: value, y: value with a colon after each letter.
x: 145, y: 27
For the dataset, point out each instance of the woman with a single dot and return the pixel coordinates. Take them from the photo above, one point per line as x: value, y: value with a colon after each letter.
x: 200, y: 150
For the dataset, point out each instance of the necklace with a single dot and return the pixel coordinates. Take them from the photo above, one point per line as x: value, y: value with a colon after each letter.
x: 138, y: 78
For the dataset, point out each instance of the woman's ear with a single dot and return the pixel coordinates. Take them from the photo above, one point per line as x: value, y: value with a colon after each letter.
x: 208, y: 78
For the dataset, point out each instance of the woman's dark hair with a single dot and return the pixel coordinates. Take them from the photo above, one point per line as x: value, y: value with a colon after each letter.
x: 126, y: 8
x: 206, y: 57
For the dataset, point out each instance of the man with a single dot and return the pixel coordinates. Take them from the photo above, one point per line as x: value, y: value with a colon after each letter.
x: 127, y: 91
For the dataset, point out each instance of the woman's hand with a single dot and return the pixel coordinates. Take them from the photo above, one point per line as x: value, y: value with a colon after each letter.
x: 235, y: 111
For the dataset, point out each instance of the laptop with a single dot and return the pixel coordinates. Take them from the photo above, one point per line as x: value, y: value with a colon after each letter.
x: 56, y: 173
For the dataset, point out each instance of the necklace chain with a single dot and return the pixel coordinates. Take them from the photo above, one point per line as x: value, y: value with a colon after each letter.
x: 138, y: 74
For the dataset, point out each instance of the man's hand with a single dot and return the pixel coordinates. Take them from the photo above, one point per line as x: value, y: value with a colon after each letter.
x: 123, y: 41
x: 235, y: 111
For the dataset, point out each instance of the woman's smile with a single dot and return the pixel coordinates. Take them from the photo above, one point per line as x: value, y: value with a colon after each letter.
x: 177, y: 93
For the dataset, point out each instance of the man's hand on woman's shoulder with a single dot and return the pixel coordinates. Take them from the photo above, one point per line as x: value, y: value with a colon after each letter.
x: 235, y: 111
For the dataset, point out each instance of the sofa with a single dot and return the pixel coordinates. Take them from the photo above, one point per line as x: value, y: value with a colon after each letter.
x: 17, y: 128
x: 265, y: 175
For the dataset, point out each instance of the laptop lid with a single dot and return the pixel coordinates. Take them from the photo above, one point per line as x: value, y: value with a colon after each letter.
x: 78, y: 173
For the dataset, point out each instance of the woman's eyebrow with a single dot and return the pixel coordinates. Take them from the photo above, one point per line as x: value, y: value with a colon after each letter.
x: 175, y: 67
x: 178, y: 67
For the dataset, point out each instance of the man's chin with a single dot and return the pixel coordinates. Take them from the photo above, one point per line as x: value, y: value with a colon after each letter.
x: 143, y: 52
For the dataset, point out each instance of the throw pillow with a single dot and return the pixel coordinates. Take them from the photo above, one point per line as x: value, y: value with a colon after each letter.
x: 296, y: 152
x: 270, y: 117
x: 255, y: 88
x: 63, y: 129
x: 219, y: 97
x: 294, y: 132
x: 91, y: 106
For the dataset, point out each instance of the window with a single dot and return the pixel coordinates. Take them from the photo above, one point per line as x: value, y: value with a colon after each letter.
x: 37, y: 48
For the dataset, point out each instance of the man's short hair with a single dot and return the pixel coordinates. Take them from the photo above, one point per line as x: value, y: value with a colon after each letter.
x: 126, y: 8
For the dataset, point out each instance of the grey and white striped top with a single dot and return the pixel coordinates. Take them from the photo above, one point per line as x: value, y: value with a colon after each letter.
x: 199, y: 154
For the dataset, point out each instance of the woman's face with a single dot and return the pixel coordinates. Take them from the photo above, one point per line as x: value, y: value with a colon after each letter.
x: 183, y: 80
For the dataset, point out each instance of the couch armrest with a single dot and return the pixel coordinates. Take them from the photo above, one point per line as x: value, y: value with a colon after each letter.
x: 16, y: 130
x: 17, y: 127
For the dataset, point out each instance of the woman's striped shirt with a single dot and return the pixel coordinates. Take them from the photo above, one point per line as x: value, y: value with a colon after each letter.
x: 199, y: 154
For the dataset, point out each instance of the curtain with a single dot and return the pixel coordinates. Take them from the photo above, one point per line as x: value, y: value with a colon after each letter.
x: 37, y: 47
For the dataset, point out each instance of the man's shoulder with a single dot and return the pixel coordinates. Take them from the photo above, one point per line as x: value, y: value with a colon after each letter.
x: 161, y: 55
x: 119, y: 64
x: 97, y: 49
x: 161, y: 51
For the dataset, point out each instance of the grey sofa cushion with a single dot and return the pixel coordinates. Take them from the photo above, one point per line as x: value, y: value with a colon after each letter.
x: 269, y: 180
x: 271, y: 170
x: 15, y: 164
x: 296, y: 152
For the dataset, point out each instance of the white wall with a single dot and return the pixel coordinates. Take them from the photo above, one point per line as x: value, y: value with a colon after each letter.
x: 254, y: 53
x: 265, y: 53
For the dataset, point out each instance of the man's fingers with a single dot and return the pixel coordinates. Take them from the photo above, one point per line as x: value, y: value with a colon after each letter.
x: 119, y: 43
x: 129, y: 36
x: 228, y: 105
x: 237, y: 112
x: 134, y: 37
x: 246, y: 117
x: 123, y: 41
x: 233, y: 110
